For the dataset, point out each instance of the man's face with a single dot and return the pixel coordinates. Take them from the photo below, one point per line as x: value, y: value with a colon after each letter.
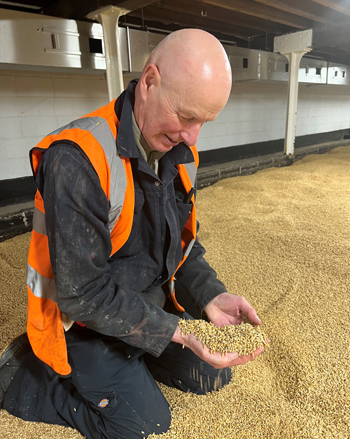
x: 173, y: 116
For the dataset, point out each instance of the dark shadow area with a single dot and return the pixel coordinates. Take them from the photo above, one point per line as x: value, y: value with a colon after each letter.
x: 239, y: 152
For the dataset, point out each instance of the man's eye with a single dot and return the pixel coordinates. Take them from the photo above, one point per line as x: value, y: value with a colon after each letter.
x: 187, y: 119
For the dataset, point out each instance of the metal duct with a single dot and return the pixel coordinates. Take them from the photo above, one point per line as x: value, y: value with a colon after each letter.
x: 32, y: 41
x: 37, y: 40
x: 338, y: 74
x: 255, y: 65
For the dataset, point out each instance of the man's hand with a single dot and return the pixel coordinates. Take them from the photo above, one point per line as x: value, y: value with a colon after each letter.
x: 225, y: 309
x: 215, y: 359
x: 228, y: 309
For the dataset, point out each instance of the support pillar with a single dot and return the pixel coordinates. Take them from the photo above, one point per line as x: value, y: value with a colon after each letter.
x: 294, y: 59
x: 293, y: 47
x: 109, y: 17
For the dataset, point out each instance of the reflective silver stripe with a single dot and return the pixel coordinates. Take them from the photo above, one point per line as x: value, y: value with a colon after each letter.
x: 39, y: 224
x: 171, y: 286
x: 87, y: 124
x: 192, y: 172
x: 189, y: 247
x: 100, y: 129
x: 104, y: 136
x: 41, y: 286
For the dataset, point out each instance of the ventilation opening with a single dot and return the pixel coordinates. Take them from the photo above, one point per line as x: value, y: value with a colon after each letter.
x: 53, y: 41
x: 336, y: 73
x: 95, y: 45
x: 245, y: 63
x: 343, y: 73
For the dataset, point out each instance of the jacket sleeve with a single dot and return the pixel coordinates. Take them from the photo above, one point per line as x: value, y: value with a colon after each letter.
x: 198, y: 278
x: 76, y: 213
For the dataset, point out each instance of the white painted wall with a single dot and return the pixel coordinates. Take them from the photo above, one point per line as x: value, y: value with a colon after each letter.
x: 256, y: 112
x: 32, y: 104
x: 322, y: 109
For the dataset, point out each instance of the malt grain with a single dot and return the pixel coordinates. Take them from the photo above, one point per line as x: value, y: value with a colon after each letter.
x: 280, y: 238
x: 244, y: 338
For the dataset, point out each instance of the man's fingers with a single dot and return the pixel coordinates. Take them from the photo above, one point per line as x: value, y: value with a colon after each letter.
x: 250, y: 312
x: 232, y: 359
x: 220, y: 361
x: 246, y: 358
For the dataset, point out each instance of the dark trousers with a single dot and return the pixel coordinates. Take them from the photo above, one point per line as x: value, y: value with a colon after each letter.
x: 112, y: 392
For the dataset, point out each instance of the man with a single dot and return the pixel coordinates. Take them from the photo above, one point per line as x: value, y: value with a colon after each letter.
x: 114, y: 221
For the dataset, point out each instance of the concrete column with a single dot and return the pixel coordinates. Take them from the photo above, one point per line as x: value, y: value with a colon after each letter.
x: 293, y: 47
x: 292, y: 105
x: 109, y: 17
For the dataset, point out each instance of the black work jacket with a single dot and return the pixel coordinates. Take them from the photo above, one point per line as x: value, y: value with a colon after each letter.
x: 123, y: 294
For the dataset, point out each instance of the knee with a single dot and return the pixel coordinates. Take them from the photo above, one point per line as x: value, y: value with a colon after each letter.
x: 122, y: 418
x: 160, y: 422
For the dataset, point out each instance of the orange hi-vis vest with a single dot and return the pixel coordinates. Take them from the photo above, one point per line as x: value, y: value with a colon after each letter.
x: 95, y: 134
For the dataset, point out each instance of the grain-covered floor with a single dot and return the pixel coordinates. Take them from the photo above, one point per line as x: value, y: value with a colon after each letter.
x: 281, y: 238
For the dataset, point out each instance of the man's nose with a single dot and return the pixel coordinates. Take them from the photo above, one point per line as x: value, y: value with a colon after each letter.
x: 190, y: 135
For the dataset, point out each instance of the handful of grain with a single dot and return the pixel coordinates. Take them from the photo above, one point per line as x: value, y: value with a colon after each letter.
x: 244, y: 338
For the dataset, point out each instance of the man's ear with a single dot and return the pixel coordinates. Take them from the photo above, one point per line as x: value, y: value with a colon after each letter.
x: 149, y: 79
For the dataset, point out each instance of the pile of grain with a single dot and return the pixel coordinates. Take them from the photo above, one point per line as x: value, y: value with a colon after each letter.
x: 281, y: 238
x: 13, y: 299
x: 244, y: 338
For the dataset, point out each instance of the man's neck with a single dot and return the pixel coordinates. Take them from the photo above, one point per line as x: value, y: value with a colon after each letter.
x: 151, y: 156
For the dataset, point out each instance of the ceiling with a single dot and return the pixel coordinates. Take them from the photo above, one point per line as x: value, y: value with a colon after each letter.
x: 246, y: 23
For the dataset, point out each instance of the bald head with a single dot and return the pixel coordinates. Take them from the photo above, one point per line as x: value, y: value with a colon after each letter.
x: 185, y: 82
x: 190, y: 56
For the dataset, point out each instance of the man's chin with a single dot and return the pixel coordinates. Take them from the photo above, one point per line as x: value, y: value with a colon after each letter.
x: 162, y: 146
x: 165, y: 148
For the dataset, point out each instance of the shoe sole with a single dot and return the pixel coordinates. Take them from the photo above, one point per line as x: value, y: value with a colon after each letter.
x: 10, y: 360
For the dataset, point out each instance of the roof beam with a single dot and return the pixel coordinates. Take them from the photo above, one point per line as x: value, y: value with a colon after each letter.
x: 255, y: 9
x: 341, y: 6
x: 333, y: 55
x: 37, y: 4
x: 209, y: 12
x: 302, y: 8
x: 186, y: 20
x: 78, y: 10
x: 333, y: 35
x: 137, y: 22
x: 134, y: 4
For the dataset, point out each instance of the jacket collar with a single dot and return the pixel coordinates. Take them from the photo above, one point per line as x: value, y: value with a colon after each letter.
x: 126, y: 145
